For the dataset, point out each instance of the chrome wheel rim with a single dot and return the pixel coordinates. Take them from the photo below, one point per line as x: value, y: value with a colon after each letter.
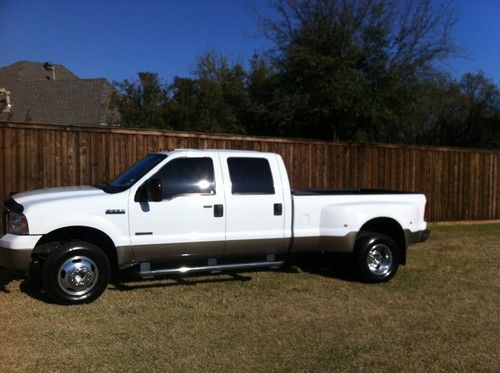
x: 380, y: 259
x: 77, y: 275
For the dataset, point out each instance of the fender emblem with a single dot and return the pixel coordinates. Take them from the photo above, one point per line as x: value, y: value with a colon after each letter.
x: 115, y: 212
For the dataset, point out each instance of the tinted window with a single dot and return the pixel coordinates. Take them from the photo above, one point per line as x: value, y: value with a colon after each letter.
x: 187, y: 175
x: 250, y: 176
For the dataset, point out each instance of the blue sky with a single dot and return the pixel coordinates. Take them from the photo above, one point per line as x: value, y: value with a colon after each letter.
x: 116, y: 39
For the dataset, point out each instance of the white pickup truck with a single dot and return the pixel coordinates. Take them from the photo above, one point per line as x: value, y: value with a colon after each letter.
x: 189, y: 211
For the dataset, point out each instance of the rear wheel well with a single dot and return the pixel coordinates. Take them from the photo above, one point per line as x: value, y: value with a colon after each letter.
x: 389, y: 227
x: 87, y: 234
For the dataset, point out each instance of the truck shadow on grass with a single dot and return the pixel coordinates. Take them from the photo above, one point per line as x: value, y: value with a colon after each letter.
x: 27, y: 285
x: 128, y: 281
x: 334, y: 266
x: 6, y: 277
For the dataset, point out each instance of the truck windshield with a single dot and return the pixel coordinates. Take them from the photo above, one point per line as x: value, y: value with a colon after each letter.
x: 130, y: 176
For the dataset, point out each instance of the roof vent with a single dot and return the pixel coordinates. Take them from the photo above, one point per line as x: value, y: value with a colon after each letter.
x: 5, y: 98
x: 50, y: 67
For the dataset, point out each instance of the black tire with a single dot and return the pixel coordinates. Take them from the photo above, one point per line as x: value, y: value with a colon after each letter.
x: 76, y: 272
x: 377, y: 257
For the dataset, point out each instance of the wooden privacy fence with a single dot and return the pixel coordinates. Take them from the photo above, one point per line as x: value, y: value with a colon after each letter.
x: 460, y: 184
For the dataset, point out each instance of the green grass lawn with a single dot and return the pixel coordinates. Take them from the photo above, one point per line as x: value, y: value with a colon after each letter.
x: 439, y: 313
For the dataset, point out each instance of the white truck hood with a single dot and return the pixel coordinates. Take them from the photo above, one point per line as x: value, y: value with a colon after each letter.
x: 53, y: 194
x: 55, y: 208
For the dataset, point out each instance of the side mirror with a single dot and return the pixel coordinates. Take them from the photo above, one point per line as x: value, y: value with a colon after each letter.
x: 150, y: 191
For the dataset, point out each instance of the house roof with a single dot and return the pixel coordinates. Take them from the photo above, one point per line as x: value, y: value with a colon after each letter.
x: 67, y: 100
x: 26, y: 70
x: 72, y: 102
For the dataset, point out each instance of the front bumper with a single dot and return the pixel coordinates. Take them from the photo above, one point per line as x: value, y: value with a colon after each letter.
x: 15, y: 251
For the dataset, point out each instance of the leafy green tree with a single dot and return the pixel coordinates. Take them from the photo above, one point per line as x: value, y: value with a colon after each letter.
x: 482, y: 124
x: 464, y: 113
x: 440, y: 110
x: 141, y: 102
x: 268, y: 102
x: 214, y: 100
x: 349, y: 68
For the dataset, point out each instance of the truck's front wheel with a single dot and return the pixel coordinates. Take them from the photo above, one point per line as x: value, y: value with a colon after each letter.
x: 76, y: 272
x: 377, y: 257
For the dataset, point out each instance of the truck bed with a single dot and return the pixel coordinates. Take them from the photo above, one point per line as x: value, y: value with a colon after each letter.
x: 330, y: 220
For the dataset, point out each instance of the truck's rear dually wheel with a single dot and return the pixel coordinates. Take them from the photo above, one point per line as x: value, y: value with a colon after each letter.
x: 377, y: 257
x: 76, y: 272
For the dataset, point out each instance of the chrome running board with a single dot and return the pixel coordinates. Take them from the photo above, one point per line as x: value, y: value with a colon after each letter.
x: 146, y: 271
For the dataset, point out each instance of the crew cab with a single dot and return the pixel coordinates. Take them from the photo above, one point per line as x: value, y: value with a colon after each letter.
x: 188, y: 211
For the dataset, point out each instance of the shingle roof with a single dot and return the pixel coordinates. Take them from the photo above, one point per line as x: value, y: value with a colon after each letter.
x: 26, y: 70
x: 68, y: 100
x: 73, y: 102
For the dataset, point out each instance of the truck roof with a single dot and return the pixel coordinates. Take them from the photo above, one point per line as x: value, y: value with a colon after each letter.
x: 188, y: 150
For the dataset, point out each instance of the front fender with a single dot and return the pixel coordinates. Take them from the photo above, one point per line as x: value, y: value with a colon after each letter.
x: 115, y: 226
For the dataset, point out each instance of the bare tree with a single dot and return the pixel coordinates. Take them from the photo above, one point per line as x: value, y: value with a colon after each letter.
x: 416, y: 33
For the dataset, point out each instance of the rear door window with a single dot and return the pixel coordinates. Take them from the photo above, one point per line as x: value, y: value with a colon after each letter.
x: 250, y: 175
